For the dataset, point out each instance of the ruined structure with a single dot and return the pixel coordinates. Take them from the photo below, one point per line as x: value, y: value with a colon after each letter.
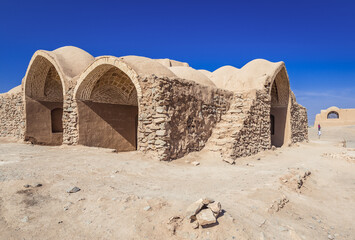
x: 334, y: 116
x: 160, y: 106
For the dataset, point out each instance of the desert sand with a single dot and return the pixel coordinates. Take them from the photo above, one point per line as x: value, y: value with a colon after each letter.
x: 305, y: 191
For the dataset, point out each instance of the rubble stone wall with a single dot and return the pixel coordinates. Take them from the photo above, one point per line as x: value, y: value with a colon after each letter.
x: 12, y: 122
x: 254, y: 135
x: 177, y: 116
x: 299, y: 123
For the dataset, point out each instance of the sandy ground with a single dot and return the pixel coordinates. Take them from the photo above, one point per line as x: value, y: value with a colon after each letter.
x: 131, y: 196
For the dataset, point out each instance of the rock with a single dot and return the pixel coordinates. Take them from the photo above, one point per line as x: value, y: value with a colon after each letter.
x: 215, y: 208
x: 194, y: 208
x: 273, y: 148
x: 25, y: 219
x: 195, y: 225
x: 207, y: 201
x: 330, y: 237
x: 27, y: 186
x: 195, y: 163
x: 38, y: 185
x: 205, y: 217
x: 73, y: 190
x: 147, y: 208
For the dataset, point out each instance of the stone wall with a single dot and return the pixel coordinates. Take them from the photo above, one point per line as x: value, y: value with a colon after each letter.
x: 177, y: 116
x: 299, y: 123
x: 254, y: 135
x: 12, y: 123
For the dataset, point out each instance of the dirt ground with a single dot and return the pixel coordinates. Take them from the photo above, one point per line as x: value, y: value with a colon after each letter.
x: 131, y: 196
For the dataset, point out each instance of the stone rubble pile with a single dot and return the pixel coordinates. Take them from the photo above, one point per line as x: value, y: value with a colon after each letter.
x: 203, y: 212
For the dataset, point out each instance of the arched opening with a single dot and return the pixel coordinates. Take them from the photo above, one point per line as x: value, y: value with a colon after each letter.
x: 333, y: 115
x: 279, y: 108
x: 108, y: 109
x: 44, y: 103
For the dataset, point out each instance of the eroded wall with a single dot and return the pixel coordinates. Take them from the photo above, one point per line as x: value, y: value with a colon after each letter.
x: 299, y: 123
x: 12, y: 122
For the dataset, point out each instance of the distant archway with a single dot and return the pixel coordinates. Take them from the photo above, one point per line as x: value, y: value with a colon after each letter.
x: 280, y: 94
x: 333, y: 115
x: 108, y: 109
x: 43, y: 94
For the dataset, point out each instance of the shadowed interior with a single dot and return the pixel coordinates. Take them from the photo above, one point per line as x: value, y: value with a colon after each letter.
x: 109, y: 116
x: 279, y: 109
x: 44, y: 103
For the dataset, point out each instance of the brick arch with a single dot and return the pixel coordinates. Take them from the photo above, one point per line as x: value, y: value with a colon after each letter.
x: 44, y: 90
x: 329, y: 115
x: 86, y: 84
x: 108, y: 96
x: 44, y: 76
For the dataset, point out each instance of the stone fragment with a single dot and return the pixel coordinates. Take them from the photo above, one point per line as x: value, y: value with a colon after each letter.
x: 195, y: 225
x: 25, y: 219
x: 215, y: 208
x: 27, y: 186
x: 38, y: 185
x: 73, y: 190
x: 205, y: 217
x: 195, y: 163
x: 194, y: 208
x: 147, y: 208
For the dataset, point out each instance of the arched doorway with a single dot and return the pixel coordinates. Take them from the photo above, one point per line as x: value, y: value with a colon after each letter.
x: 279, y: 109
x: 108, y: 109
x: 333, y: 115
x: 44, y: 100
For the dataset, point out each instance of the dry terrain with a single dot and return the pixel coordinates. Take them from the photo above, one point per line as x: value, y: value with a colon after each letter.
x: 306, y: 191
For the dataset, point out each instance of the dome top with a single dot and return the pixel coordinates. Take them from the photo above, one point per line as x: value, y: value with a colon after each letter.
x: 72, y: 60
x: 189, y: 73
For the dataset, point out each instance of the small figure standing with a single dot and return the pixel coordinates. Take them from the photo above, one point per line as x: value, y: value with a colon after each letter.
x: 319, y: 131
x: 318, y: 127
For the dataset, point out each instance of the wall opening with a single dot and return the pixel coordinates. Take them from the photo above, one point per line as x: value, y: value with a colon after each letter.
x: 57, y: 120
x: 44, y: 98
x: 108, y: 110
x: 279, y: 109
x: 333, y: 115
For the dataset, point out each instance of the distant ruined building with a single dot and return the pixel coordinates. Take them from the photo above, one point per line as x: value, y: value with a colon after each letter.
x: 159, y: 106
x: 334, y: 116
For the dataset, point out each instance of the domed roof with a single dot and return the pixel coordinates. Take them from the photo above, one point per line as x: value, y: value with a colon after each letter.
x: 72, y: 60
x: 253, y: 75
x: 205, y: 72
x: 171, y: 63
x: 193, y: 75
x: 147, y: 66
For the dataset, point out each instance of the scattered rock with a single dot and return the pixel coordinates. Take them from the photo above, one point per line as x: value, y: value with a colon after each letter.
x: 147, y: 208
x: 27, y: 186
x: 206, y: 217
x: 273, y: 148
x: 330, y: 237
x: 195, y: 225
x: 258, y: 159
x: 278, y: 204
x: 194, y: 208
x: 60, y: 222
x: 215, y: 208
x: 114, y: 151
x: 195, y: 163
x: 73, y: 190
x: 38, y: 185
x: 25, y: 219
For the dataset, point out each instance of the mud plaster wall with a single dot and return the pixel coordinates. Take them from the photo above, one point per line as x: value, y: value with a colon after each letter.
x: 177, y: 116
x: 39, y: 122
x: 12, y: 122
x: 299, y: 123
x: 107, y: 125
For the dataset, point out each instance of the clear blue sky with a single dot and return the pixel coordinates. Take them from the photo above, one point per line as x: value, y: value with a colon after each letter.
x: 316, y: 39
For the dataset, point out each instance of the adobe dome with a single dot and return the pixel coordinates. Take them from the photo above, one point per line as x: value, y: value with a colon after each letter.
x: 72, y: 60
x: 193, y: 75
